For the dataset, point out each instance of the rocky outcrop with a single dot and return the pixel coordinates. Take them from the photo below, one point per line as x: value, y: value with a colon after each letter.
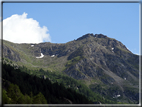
x: 10, y: 54
x: 102, y: 53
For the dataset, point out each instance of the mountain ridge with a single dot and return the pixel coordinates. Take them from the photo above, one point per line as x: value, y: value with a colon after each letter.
x: 89, y: 58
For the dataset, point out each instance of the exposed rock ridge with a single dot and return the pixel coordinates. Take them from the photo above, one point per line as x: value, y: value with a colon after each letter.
x: 91, y: 34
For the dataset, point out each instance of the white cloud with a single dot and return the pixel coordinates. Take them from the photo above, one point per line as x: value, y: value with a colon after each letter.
x: 20, y: 29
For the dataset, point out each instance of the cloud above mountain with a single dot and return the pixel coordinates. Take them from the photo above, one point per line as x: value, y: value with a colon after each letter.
x: 20, y: 29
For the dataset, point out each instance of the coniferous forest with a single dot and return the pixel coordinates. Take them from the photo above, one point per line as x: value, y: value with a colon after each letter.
x: 19, y: 86
x: 22, y: 88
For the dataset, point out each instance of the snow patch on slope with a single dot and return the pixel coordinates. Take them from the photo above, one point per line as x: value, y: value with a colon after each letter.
x: 112, y: 49
x: 32, y: 45
x: 52, y: 55
x: 40, y: 56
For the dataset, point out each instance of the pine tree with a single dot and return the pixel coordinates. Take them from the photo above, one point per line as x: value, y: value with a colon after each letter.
x: 5, y: 98
x: 39, y: 99
x: 14, y: 93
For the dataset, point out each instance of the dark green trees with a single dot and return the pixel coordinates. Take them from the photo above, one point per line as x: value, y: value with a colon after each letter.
x: 13, y: 95
x: 30, y: 89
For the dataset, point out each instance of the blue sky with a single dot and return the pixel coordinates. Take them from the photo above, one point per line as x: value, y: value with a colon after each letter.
x: 68, y: 21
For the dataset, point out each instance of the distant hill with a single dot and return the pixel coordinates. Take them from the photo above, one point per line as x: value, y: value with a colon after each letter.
x: 103, y: 64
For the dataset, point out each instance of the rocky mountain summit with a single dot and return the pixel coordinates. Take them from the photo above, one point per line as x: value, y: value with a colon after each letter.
x: 95, y: 59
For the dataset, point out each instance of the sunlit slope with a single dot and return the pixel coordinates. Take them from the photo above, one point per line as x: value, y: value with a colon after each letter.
x: 102, y: 63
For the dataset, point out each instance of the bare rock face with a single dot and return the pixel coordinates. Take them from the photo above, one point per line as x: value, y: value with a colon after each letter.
x: 10, y: 54
x: 102, y: 53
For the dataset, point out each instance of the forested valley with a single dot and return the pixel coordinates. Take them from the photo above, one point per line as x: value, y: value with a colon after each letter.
x: 20, y: 87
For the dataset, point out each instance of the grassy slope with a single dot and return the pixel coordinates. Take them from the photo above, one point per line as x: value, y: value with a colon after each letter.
x: 30, y: 61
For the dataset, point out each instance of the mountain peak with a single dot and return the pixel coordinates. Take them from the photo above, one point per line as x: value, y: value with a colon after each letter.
x: 91, y: 34
x: 100, y: 36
